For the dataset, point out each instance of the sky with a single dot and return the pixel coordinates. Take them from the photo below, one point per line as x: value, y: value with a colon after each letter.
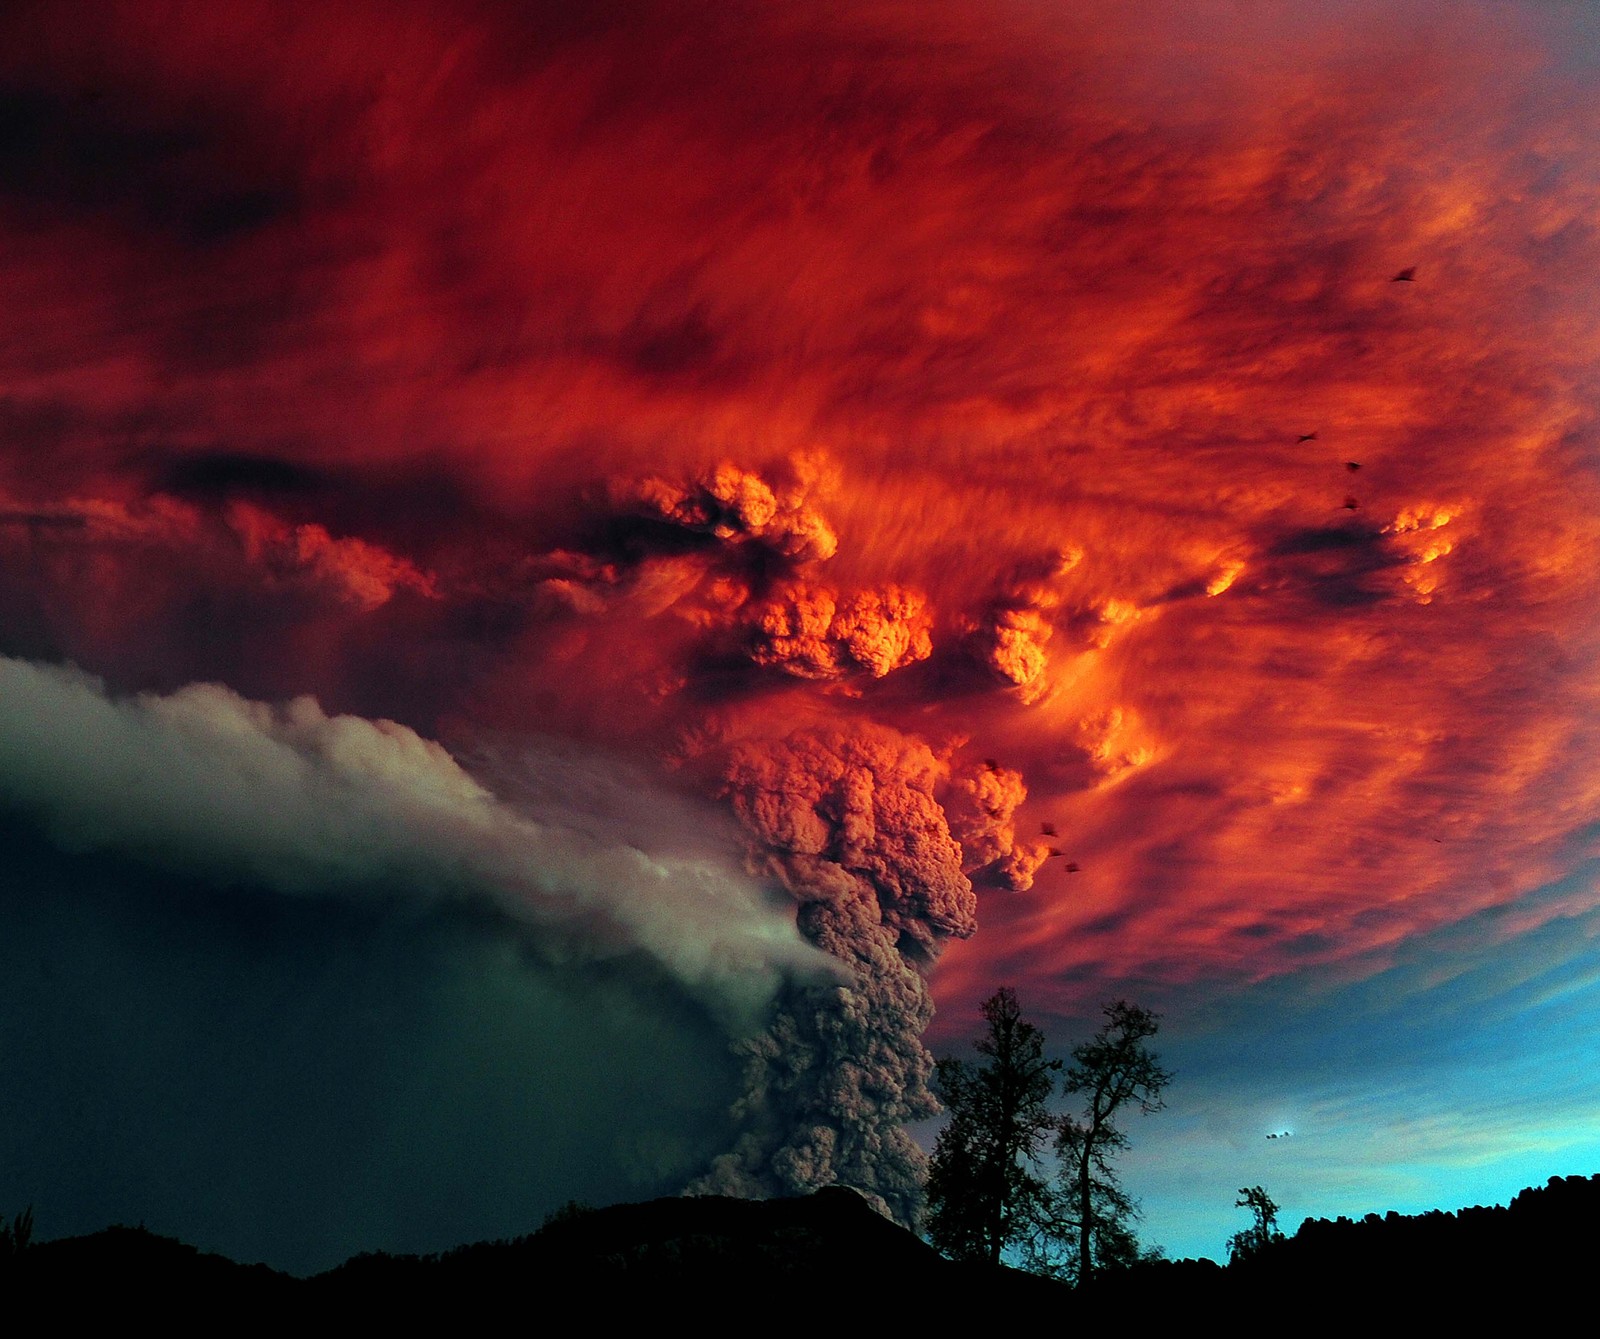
x: 578, y: 585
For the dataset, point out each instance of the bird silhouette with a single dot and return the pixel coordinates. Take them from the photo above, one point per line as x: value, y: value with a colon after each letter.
x: 1350, y: 504
x: 1073, y: 867
x: 1406, y: 276
x: 1305, y: 437
x: 1049, y: 829
x: 992, y: 764
x: 1352, y: 465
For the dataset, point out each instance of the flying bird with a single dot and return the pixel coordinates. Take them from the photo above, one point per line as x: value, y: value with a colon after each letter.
x: 1049, y: 829
x: 1350, y: 504
x: 1073, y: 867
x: 1305, y: 437
x: 1406, y: 276
x: 1352, y: 465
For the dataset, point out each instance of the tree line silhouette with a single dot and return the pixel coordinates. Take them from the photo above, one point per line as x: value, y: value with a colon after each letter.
x: 828, y: 1255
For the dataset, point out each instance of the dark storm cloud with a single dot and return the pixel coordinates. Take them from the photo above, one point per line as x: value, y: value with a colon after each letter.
x: 77, y: 152
x: 295, y: 1080
x: 223, y: 474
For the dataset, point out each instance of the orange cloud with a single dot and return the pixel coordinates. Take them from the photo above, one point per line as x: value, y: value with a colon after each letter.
x: 808, y: 632
x: 719, y: 379
x: 357, y: 573
x: 733, y: 504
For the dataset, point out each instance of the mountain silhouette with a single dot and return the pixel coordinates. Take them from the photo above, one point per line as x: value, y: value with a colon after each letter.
x: 830, y: 1257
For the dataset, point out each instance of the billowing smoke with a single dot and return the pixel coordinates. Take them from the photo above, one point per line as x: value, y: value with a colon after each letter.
x: 359, y: 574
x: 982, y: 808
x: 736, y: 504
x: 292, y: 799
x: 873, y: 407
x: 849, y: 823
x: 808, y: 631
x: 1010, y: 639
x: 877, y: 838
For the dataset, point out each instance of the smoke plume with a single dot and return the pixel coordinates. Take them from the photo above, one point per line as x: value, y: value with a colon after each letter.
x: 292, y: 799
x: 850, y: 824
x: 935, y: 430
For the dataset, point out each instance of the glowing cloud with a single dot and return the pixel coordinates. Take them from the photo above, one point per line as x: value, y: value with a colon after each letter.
x: 922, y: 427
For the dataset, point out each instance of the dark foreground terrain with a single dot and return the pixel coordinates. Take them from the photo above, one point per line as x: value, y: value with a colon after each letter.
x: 829, y: 1258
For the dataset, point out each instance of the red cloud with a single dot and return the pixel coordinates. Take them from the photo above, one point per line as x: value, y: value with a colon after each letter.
x: 555, y: 324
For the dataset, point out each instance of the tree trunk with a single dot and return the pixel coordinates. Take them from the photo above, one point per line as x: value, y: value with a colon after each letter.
x: 1085, y: 1200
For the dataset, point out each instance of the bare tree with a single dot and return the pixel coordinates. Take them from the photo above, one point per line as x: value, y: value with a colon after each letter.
x: 1262, y: 1232
x: 15, y: 1235
x: 1115, y: 1072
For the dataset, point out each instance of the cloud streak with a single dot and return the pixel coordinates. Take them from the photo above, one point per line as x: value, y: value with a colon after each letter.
x: 1030, y: 388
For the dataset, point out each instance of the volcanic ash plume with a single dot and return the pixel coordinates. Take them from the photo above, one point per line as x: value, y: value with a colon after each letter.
x: 292, y: 799
x: 734, y: 504
x: 1010, y: 642
x: 851, y: 825
x: 809, y: 633
x: 982, y: 810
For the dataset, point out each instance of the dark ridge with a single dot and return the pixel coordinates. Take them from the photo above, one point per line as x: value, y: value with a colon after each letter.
x: 127, y: 1269
x: 829, y: 1257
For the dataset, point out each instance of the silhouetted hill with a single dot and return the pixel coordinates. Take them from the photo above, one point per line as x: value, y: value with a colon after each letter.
x: 132, y: 1271
x: 828, y: 1257
x: 801, y: 1257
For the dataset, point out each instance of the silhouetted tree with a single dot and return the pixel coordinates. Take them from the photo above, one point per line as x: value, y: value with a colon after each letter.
x: 15, y: 1235
x: 1114, y: 1071
x: 985, y: 1187
x: 570, y: 1212
x: 1262, y: 1232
